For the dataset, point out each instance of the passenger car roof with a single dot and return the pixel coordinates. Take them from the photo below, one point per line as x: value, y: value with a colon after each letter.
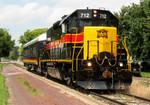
x: 41, y: 37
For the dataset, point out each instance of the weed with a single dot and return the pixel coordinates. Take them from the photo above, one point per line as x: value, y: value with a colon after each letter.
x: 119, y: 95
x: 147, y: 84
x: 20, y: 79
x: 5, y: 65
x: 32, y: 90
x: 27, y: 83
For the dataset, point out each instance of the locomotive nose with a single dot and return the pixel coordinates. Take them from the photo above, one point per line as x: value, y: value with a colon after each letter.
x: 98, y: 41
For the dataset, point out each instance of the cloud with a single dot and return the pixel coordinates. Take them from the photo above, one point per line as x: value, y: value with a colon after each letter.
x: 40, y: 14
x: 15, y: 14
x: 17, y: 19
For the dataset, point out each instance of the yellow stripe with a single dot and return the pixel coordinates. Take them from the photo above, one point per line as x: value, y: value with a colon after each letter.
x: 29, y: 61
x: 124, y: 69
x: 60, y: 60
x: 87, y: 69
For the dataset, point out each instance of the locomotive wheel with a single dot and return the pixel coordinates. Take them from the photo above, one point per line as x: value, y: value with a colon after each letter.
x: 69, y: 81
x: 39, y: 70
x: 28, y: 67
x: 46, y: 74
x: 35, y: 68
x: 61, y: 68
x: 69, y: 78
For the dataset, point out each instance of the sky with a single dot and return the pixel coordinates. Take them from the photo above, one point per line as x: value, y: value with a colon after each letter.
x: 17, y: 16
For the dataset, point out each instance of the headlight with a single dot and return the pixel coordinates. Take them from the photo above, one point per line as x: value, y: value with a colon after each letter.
x: 95, y: 15
x: 120, y: 64
x: 89, y: 64
x: 95, y: 11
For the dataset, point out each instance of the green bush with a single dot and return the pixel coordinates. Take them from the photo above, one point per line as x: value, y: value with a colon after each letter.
x: 145, y: 74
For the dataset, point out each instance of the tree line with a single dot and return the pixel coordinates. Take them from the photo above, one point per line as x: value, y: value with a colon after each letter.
x: 134, y: 22
x: 6, y: 43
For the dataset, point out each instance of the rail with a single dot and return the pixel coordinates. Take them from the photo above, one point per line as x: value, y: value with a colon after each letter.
x: 122, y: 99
x: 137, y: 97
x: 109, y: 100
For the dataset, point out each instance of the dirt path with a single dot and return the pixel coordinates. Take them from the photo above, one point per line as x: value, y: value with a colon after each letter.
x: 48, y: 92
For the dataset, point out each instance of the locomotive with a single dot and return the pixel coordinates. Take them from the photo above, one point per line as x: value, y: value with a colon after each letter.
x: 83, y: 48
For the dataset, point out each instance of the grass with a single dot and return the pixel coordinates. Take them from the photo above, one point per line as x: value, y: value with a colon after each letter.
x: 32, y: 90
x: 140, y: 88
x: 1, y: 67
x: 145, y: 74
x: 5, y: 65
x: 4, y: 95
x: 147, y: 84
x: 119, y: 95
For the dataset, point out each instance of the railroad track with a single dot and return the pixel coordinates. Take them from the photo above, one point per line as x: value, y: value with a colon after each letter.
x: 114, y: 99
x: 106, y: 99
x: 121, y: 99
x: 147, y: 101
x: 19, y: 65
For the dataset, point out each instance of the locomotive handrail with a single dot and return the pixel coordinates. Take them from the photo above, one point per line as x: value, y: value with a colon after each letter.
x: 125, y: 46
x: 75, y: 29
x: 40, y: 58
x: 107, y: 60
x: 88, y: 41
x: 77, y: 57
x: 74, y: 47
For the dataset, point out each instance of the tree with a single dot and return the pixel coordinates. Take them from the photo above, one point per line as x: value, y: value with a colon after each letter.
x: 6, y: 44
x: 14, y: 55
x: 29, y: 35
x: 135, y: 23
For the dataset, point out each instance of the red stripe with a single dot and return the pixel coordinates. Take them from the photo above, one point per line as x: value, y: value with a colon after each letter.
x: 31, y: 59
x: 117, y: 39
x: 68, y: 38
x: 71, y: 38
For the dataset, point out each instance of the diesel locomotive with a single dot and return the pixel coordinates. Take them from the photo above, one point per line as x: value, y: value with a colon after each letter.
x: 83, y: 48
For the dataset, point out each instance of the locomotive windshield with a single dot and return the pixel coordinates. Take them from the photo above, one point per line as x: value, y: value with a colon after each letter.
x: 92, y: 22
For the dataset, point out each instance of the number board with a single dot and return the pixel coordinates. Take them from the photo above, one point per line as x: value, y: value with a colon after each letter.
x: 102, y: 16
x: 85, y: 14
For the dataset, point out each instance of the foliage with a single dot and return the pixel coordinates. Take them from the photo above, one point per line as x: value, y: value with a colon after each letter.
x: 14, y: 55
x: 4, y: 95
x: 6, y: 44
x: 134, y: 22
x: 29, y: 35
